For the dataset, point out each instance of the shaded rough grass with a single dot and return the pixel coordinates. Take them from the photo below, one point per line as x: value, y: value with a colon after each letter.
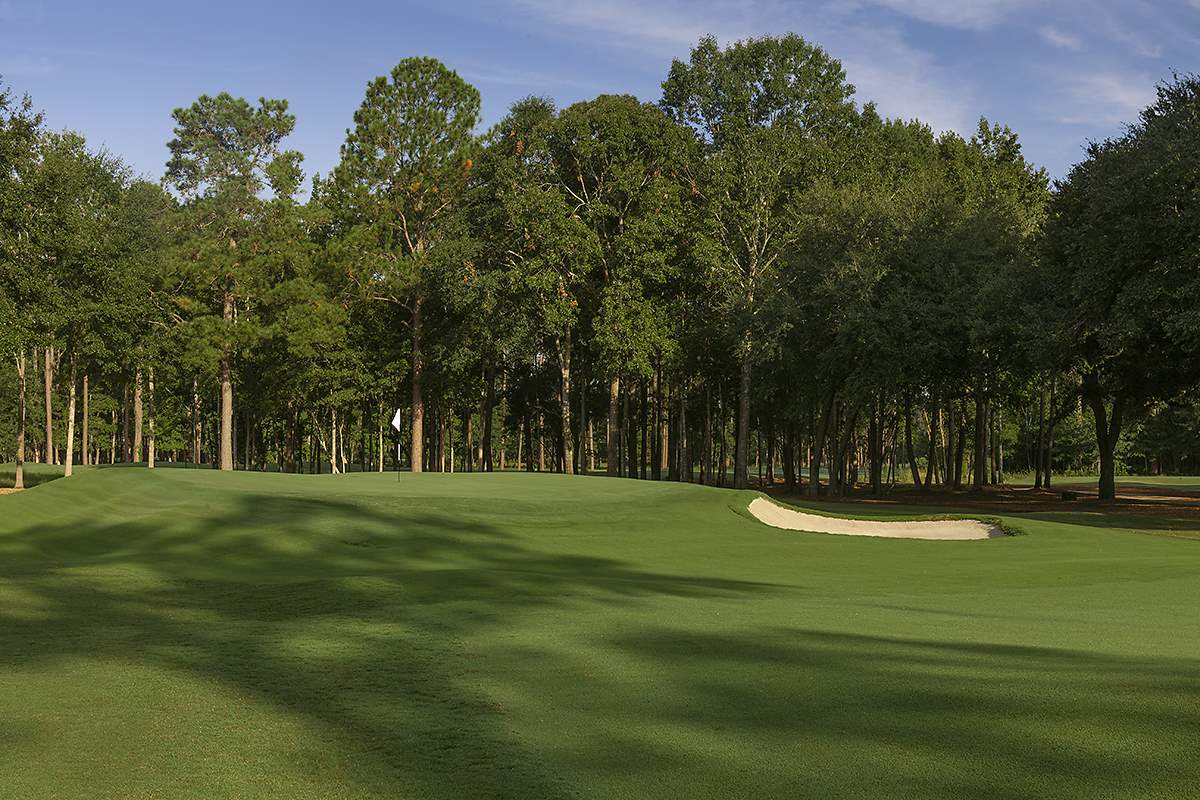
x: 190, y: 634
x: 35, y: 474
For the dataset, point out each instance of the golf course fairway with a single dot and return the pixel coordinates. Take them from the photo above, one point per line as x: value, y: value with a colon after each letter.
x: 192, y: 634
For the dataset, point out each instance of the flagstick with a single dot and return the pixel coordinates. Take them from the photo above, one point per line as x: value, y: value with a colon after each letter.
x: 396, y: 423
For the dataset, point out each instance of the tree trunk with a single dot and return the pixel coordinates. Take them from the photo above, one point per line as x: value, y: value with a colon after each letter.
x: 1048, y: 451
x: 931, y: 455
x: 566, y: 451
x: 949, y: 450
x: 443, y: 437
x: 521, y: 426
x: 644, y: 416
x: 85, y: 439
x: 137, y: 415
x: 706, y: 469
x: 685, y: 450
x: 152, y: 452
x: 69, y: 453
x: 1108, y: 431
x: 226, y: 451
x: 489, y: 403
x: 417, y: 446
x: 1000, y: 446
x: 613, y: 454
x: 195, y: 421
x: 19, y: 481
x: 741, y: 459
x: 541, y: 430
x: 818, y: 445
x: 48, y: 383
x: 591, y: 446
x: 583, y: 440
x: 723, y: 460
x: 961, y: 446
x: 875, y: 443
x: 468, y: 443
x: 789, y: 457
x: 1039, y: 459
x: 907, y: 441
x: 980, y: 468
x: 333, y: 441
x: 631, y: 464
x: 664, y: 428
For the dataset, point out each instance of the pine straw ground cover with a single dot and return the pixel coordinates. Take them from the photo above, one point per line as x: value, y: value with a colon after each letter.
x: 191, y: 634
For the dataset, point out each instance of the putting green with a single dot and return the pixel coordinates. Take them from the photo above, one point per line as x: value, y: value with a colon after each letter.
x: 191, y: 634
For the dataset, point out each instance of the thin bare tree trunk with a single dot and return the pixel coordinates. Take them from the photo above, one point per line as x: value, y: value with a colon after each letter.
x: 816, y: 452
x: 541, y: 426
x: 342, y: 444
x: 226, y: 445
x: 629, y: 429
x: 591, y: 446
x: 69, y: 455
x: 152, y: 452
x: 19, y: 482
x: 741, y: 458
x: 584, y: 426
x: 85, y: 440
x: 137, y: 415
x: 521, y: 426
x: 564, y: 401
x: 417, y: 451
x: 685, y: 451
x: 613, y: 457
x: 195, y: 421
x: 489, y: 403
x: 333, y: 441
x: 51, y: 457
x: 664, y: 428
x: 706, y: 476
x: 980, y: 466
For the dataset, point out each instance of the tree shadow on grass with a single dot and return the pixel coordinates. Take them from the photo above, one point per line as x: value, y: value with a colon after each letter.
x: 873, y: 716
x: 349, y: 617
x: 1162, y: 520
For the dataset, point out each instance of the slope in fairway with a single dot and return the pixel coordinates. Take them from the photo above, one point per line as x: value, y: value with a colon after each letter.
x: 190, y: 634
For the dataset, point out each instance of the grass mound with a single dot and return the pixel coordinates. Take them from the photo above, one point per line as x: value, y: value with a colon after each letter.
x: 191, y: 634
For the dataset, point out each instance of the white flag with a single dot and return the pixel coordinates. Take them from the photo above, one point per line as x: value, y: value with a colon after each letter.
x: 396, y: 420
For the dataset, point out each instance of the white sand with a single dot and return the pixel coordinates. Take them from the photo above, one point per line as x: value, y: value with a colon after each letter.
x: 778, y: 517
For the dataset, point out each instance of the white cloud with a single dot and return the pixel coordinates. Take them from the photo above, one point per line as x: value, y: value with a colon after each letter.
x: 533, y: 80
x: 1106, y: 99
x: 672, y: 28
x: 1061, y: 38
x: 903, y: 80
x: 971, y: 14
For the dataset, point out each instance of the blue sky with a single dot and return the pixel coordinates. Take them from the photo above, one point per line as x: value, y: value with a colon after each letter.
x: 1057, y: 72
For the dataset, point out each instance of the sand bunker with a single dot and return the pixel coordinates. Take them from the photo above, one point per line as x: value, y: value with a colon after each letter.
x: 778, y: 517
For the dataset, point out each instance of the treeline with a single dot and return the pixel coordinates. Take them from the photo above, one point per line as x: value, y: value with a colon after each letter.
x: 755, y: 276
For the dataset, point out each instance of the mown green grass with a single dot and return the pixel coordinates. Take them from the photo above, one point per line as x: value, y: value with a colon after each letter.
x: 189, y: 634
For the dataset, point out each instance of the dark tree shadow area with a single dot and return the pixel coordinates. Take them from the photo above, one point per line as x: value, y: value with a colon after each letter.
x: 877, y: 716
x: 219, y: 594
